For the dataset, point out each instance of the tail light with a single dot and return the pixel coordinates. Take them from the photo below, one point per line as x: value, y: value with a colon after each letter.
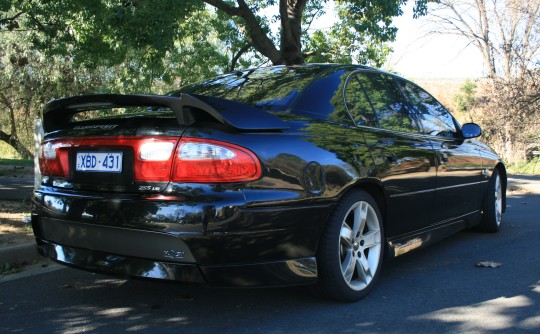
x: 204, y: 160
x: 153, y: 159
x: 164, y: 159
x: 54, y: 160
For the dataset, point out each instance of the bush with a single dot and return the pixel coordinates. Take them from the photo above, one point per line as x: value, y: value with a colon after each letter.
x: 509, y: 112
x: 464, y: 100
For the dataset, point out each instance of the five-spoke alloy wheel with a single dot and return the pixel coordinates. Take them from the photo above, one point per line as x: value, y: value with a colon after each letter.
x: 351, y: 248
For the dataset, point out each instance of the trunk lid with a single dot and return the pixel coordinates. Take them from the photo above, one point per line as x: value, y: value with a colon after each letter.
x: 127, y: 143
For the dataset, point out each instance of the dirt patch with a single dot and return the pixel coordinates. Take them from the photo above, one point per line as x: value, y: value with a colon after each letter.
x: 15, y: 228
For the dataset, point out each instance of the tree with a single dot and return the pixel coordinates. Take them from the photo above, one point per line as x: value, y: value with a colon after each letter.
x: 48, y: 51
x: 505, y: 32
x: 509, y: 112
x: 28, y: 79
x: 155, y: 46
x: 106, y: 30
x: 364, y: 18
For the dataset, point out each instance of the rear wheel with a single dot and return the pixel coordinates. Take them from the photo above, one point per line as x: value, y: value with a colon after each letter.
x: 493, y: 205
x: 351, y: 249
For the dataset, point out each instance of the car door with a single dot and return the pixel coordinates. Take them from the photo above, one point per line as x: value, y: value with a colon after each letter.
x: 459, y: 164
x: 403, y: 159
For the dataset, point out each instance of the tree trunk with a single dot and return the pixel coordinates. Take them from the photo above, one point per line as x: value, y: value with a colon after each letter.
x: 291, y: 30
x: 486, y: 48
x: 16, y: 144
x: 251, y: 28
x: 290, y: 52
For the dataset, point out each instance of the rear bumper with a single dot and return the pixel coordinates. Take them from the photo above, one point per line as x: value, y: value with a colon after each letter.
x: 279, y: 273
x: 216, y: 239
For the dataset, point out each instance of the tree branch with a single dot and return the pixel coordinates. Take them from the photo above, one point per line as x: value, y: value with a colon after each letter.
x: 16, y: 144
x: 237, y: 56
x: 222, y: 5
x: 10, y: 19
x: 251, y: 28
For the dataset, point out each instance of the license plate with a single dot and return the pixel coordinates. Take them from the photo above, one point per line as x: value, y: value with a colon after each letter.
x: 99, y: 162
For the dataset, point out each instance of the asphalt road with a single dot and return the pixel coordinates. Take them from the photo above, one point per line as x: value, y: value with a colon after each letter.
x: 435, y: 290
x: 16, y: 188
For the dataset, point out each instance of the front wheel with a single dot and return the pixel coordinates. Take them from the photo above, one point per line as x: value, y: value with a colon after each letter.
x: 351, y: 249
x: 493, y: 205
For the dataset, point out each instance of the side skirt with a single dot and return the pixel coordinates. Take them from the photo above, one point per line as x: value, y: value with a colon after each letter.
x: 421, y: 238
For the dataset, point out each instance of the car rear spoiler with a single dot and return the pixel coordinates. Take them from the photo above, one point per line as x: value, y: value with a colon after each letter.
x: 58, y: 113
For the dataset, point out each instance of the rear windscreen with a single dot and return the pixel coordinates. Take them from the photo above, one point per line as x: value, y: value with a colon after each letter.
x: 128, y: 112
x: 271, y: 88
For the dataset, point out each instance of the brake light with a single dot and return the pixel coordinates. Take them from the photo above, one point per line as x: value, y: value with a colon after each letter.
x: 204, y: 160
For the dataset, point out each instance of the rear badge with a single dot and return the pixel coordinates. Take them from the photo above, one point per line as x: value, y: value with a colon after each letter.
x: 149, y: 188
x: 173, y: 254
x: 97, y: 126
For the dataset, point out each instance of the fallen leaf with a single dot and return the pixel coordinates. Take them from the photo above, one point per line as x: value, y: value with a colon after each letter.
x: 488, y: 264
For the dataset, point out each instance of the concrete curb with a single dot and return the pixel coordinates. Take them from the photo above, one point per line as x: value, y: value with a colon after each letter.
x: 19, y: 254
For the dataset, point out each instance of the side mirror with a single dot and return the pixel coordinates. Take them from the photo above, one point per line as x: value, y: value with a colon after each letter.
x: 471, y: 130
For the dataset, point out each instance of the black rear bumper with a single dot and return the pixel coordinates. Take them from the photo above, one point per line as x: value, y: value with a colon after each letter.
x: 279, y: 273
x: 216, y: 239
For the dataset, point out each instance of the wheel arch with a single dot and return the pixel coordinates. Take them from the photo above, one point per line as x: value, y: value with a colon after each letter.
x: 373, y: 187
x: 503, y: 174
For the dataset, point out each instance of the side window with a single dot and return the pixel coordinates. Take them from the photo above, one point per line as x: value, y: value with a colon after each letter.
x: 435, y: 119
x: 358, y: 104
x: 388, y: 102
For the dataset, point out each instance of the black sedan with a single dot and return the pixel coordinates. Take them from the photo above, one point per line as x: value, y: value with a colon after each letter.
x: 266, y: 177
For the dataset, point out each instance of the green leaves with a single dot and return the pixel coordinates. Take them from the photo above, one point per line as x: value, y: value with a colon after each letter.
x: 361, y: 35
x: 149, y: 37
x: 466, y: 97
x: 52, y: 48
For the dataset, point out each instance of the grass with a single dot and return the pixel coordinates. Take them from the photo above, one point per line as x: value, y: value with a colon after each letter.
x: 527, y: 167
x: 10, y: 268
x: 17, y: 162
x: 11, y: 164
x: 8, y: 152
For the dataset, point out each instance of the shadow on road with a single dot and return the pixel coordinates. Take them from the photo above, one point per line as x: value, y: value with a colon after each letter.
x: 16, y: 188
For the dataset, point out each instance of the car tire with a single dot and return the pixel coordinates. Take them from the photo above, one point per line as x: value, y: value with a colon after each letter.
x: 351, y: 249
x: 493, y: 205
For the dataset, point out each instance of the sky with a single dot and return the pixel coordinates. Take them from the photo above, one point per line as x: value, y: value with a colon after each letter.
x: 416, y: 56
x: 442, y: 56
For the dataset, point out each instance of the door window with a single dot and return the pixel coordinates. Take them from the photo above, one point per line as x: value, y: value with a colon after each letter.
x: 435, y: 119
x: 358, y: 104
x: 388, y: 102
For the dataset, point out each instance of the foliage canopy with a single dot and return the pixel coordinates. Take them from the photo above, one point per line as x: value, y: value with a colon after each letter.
x: 51, y: 49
